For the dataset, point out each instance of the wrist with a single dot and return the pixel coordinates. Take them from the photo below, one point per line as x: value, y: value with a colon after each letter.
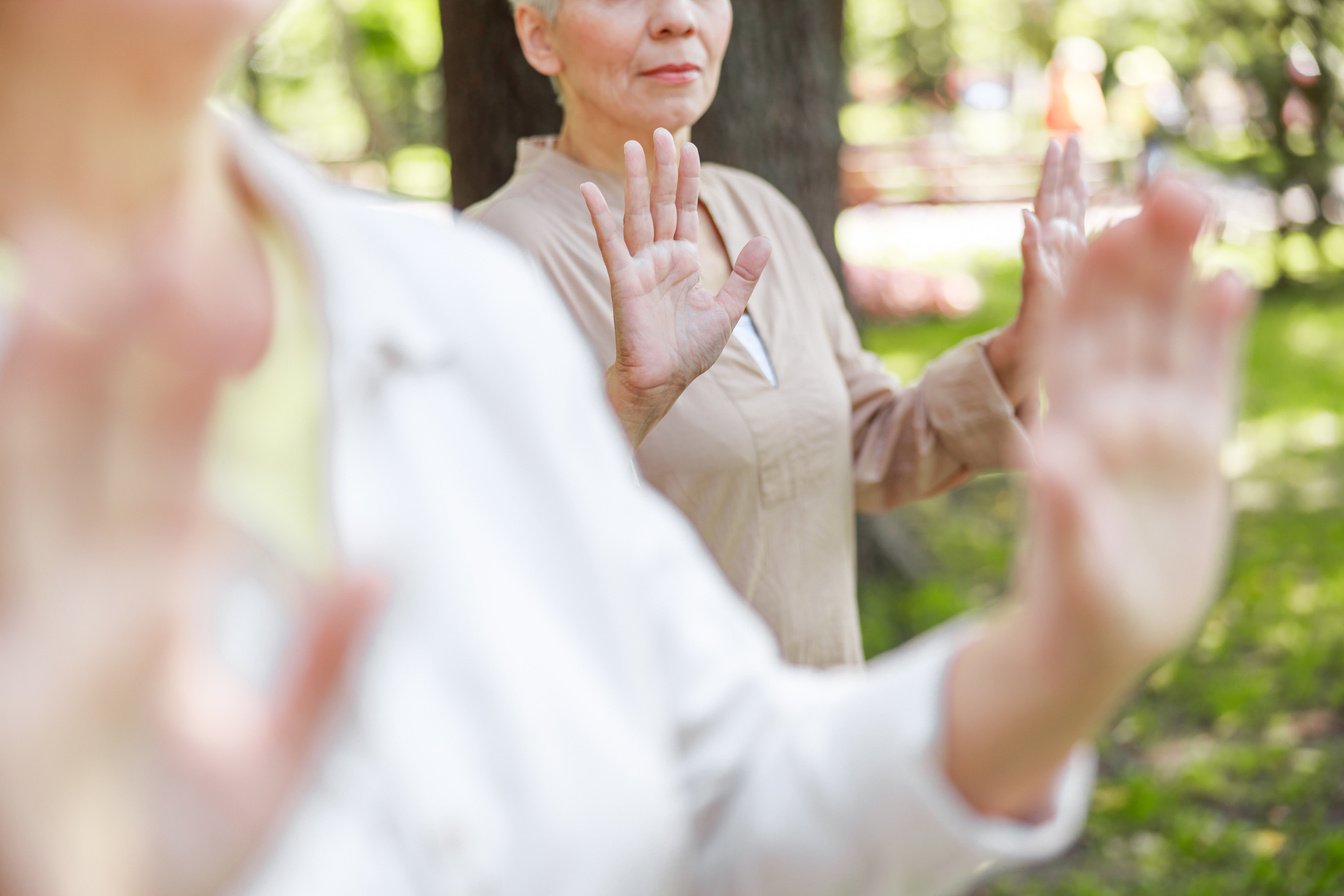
x: 1017, y: 705
x: 1003, y: 351
x: 1066, y: 664
x: 638, y: 410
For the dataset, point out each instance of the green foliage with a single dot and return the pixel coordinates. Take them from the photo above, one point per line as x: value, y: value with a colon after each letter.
x: 356, y: 84
x: 1225, y: 776
x: 1262, y: 81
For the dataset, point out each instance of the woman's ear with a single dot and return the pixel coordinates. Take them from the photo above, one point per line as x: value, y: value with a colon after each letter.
x: 534, y: 36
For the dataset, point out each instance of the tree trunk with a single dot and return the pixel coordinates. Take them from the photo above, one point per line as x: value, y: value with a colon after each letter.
x: 492, y: 97
x: 777, y: 112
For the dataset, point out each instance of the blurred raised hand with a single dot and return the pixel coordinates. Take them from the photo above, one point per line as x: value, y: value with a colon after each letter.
x: 1129, y: 514
x: 1140, y: 371
x: 1053, y: 241
x: 669, y: 328
x: 120, y: 773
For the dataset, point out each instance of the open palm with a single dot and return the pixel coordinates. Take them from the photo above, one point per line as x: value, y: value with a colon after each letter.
x: 669, y: 327
x: 120, y: 771
x: 1131, y: 508
x: 1053, y: 240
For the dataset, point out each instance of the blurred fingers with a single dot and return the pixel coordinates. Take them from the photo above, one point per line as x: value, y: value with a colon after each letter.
x: 1223, y: 306
x: 338, y: 622
x: 1163, y: 268
x: 153, y: 445
x: 1096, y: 338
x: 52, y: 386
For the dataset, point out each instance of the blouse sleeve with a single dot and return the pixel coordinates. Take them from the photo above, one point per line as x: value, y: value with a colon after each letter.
x: 910, y: 442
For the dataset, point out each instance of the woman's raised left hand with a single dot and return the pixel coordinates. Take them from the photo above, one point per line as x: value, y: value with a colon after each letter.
x: 669, y: 327
x: 1053, y: 241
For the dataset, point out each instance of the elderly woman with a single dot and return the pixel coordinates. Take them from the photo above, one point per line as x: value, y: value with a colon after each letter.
x: 770, y: 450
x: 561, y: 695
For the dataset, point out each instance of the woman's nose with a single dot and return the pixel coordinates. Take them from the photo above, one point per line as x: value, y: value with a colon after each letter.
x: 672, y: 18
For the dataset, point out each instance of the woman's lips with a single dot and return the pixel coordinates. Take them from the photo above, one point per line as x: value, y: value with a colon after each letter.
x: 674, y: 74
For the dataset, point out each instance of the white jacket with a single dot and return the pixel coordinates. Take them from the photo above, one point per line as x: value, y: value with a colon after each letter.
x: 564, y: 698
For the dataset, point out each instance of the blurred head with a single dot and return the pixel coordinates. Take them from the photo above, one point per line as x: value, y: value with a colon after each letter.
x: 129, y: 27
x: 632, y: 64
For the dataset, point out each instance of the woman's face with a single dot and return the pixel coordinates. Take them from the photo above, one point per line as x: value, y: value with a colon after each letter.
x: 639, y: 64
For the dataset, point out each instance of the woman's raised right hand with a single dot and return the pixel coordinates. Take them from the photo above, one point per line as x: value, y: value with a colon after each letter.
x: 117, y: 774
x: 669, y: 328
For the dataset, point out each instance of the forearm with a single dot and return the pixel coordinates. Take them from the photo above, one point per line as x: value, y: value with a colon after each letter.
x: 913, y: 442
x: 1018, y: 700
x: 847, y: 792
x: 1016, y: 373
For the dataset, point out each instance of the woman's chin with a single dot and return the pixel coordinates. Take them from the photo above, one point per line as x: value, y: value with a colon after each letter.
x: 674, y: 115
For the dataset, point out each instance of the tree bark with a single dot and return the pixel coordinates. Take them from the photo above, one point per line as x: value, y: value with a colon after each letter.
x: 778, y: 107
x: 493, y: 96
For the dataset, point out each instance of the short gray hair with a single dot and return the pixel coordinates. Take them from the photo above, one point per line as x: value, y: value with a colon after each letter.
x: 546, y: 7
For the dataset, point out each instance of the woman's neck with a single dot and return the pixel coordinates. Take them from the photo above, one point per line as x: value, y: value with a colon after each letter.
x: 600, y: 144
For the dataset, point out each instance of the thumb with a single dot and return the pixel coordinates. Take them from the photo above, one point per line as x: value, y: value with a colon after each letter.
x: 741, y: 283
x: 334, y: 631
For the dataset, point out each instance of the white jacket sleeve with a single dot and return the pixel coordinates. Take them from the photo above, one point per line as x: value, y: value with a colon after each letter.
x: 794, y: 781
x: 806, y: 782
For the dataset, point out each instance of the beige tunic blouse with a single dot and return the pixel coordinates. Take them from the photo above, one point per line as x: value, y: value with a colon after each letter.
x: 771, y: 475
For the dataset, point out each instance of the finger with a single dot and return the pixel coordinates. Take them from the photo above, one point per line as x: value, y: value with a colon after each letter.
x: 338, y: 624
x: 1074, y: 188
x: 153, y: 445
x: 51, y: 401
x: 161, y: 389
x: 1096, y: 338
x: 688, y: 195
x: 1035, y: 276
x: 1163, y: 266
x: 751, y: 262
x: 255, y: 778
x: 615, y: 254
x: 1176, y: 210
x: 1217, y: 327
x: 638, y: 222
x: 1047, y: 200
x: 664, y: 185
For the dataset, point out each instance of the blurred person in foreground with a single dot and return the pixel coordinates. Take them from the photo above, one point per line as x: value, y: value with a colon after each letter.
x: 768, y: 424
x: 561, y: 694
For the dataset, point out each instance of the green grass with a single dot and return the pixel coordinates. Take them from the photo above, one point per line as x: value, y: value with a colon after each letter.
x: 1225, y: 775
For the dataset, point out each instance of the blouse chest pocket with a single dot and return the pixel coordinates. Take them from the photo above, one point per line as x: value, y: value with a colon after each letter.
x: 802, y: 434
